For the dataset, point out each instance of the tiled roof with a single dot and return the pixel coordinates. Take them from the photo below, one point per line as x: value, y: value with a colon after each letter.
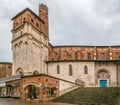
x: 27, y: 9
x: 86, y: 46
x: 14, y: 77
x: 5, y: 62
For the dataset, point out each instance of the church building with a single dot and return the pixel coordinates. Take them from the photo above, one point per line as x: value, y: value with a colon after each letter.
x: 46, y: 71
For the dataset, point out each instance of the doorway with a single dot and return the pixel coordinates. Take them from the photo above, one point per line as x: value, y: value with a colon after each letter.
x: 31, y: 92
x: 103, y: 83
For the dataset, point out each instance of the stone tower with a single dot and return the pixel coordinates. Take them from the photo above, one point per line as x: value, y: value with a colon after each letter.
x: 30, y: 41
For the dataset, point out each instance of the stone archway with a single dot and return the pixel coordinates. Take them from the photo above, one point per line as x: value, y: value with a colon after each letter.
x: 31, y: 92
x: 103, y: 77
x: 35, y: 72
x: 51, y: 90
x: 19, y: 71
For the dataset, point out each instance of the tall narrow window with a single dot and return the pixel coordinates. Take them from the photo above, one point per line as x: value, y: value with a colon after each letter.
x: 32, y: 20
x: 70, y: 70
x: 16, y: 23
x: 89, y: 56
x: 46, y: 58
x: 35, y: 72
x: 102, y: 56
x: 76, y: 56
x: 24, y: 19
x: 65, y: 55
x: 37, y: 24
x: 20, y: 32
x: 58, y: 69
x: 117, y: 56
x: 85, y: 69
x: 21, y: 73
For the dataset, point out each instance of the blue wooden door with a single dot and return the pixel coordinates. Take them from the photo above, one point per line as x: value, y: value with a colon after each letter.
x: 103, y: 83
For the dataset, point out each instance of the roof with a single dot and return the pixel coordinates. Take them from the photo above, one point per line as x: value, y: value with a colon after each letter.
x: 27, y: 9
x: 5, y: 62
x: 14, y: 77
x: 86, y: 46
x: 55, y: 61
x: 49, y: 76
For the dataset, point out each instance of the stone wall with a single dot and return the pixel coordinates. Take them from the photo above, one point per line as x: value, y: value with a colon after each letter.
x: 110, y: 68
x: 97, y: 70
x: 78, y: 71
x: 30, y: 50
x: 65, y: 87
x: 84, y: 53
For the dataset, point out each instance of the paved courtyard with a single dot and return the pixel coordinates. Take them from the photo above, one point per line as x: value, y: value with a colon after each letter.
x: 9, y: 101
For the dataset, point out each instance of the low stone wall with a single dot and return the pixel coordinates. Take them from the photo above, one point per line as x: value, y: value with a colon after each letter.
x: 65, y: 87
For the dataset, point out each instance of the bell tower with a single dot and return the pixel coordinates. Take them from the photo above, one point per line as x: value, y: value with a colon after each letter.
x: 43, y: 14
x: 30, y: 41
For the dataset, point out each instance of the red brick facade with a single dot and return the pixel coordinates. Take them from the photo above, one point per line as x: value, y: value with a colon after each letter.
x: 5, y: 69
x: 39, y: 81
x: 27, y: 16
x: 84, y: 53
x: 38, y: 87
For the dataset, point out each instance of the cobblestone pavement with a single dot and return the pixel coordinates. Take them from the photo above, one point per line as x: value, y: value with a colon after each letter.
x: 9, y: 101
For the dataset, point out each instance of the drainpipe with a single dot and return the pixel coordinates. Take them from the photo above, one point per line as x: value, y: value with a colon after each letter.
x: 47, y: 67
x: 117, y: 72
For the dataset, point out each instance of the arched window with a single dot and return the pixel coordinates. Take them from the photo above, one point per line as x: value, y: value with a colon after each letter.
x: 65, y: 55
x: 102, y: 56
x: 58, y: 69
x: 76, y: 56
x: 117, y: 56
x: 16, y: 23
x: 32, y: 20
x: 19, y: 71
x: 16, y: 45
x: 70, y: 70
x: 24, y: 19
x: 89, y: 56
x: 20, y: 44
x: 35, y: 72
x: 85, y: 69
x: 20, y: 32
x: 37, y: 24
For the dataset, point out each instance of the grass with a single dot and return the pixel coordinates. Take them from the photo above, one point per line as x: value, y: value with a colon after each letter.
x: 92, y: 96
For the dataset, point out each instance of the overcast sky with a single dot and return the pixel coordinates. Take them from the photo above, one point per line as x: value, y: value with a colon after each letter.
x: 71, y: 22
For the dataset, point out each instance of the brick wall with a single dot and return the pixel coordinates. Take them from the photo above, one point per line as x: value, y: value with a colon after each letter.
x: 69, y: 53
x: 40, y: 81
x: 5, y: 69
